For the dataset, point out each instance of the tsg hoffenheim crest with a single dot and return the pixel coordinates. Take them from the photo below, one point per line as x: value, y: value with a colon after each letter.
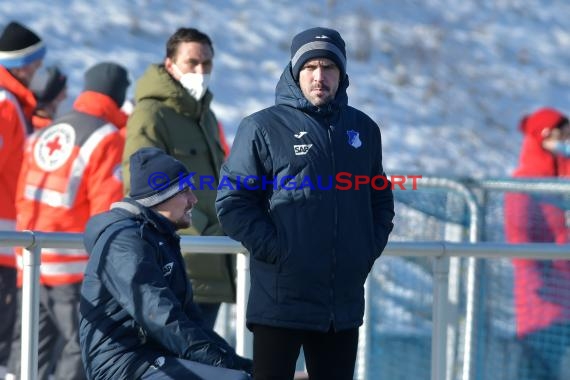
x: 354, y: 139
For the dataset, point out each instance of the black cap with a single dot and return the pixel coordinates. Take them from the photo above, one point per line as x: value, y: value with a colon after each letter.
x: 108, y: 78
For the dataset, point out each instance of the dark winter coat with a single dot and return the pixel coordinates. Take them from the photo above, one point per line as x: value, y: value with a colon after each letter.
x: 136, y: 301
x: 167, y: 117
x: 311, y: 247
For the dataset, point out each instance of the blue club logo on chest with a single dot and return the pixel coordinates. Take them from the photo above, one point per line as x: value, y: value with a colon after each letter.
x: 354, y: 139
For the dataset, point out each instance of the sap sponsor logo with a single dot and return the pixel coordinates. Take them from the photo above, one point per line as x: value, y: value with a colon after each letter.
x: 301, y: 150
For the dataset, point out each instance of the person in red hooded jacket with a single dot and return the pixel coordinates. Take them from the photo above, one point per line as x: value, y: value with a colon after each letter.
x: 71, y: 171
x: 21, y: 55
x: 542, y: 287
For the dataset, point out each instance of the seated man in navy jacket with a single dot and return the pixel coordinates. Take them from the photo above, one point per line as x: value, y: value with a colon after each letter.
x: 138, y: 319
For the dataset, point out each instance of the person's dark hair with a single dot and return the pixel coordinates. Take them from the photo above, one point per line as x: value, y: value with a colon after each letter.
x: 563, y: 121
x: 186, y: 35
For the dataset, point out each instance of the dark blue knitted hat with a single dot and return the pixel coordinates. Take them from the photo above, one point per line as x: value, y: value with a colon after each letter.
x: 317, y: 43
x: 155, y: 176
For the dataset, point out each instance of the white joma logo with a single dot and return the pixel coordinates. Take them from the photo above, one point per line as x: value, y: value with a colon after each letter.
x: 300, y: 134
x: 301, y: 150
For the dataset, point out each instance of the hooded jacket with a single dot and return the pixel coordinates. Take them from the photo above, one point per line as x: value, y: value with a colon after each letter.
x: 71, y: 171
x: 136, y: 300
x: 167, y: 117
x: 311, y: 243
x: 17, y: 103
x: 542, y: 296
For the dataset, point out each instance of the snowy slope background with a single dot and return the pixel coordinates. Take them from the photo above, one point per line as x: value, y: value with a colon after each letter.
x: 447, y: 80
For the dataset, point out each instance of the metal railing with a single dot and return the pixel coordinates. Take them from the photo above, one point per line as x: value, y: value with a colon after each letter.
x: 440, y: 251
x: 33, y: 242
x: 466, y: 188
x: 439, y: 368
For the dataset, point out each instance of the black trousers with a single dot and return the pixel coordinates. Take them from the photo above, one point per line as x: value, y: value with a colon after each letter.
x: 329, y: 356
x: 58, y: 350
x: 8, y: 305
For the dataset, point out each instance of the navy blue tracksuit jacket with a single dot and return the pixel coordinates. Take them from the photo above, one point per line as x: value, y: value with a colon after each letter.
x: 284, y: 193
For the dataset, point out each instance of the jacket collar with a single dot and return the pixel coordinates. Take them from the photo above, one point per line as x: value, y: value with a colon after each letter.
x: 147, y: 215
x: 100, y: 105
x: 22, y: 93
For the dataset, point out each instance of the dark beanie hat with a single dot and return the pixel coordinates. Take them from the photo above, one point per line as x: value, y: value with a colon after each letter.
x: 20, y: 46
x: 109, y: 79
x: 317, y: 43
x: 155, y: 176
x: 47, y: 84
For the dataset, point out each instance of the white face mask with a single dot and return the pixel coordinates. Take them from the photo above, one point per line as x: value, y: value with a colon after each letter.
x: 196, y: 84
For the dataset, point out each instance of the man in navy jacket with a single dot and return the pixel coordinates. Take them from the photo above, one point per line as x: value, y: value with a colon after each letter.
x: 138, y: 319
x: 305, y: 192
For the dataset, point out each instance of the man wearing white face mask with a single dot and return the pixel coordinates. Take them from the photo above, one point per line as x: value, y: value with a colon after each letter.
x: 172, y: 112
x: 195, y: 83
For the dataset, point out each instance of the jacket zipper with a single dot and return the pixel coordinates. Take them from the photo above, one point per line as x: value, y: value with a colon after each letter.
x: 335, y: 225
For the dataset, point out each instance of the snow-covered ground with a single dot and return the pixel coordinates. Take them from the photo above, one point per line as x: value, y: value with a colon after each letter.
x: 447, y: 80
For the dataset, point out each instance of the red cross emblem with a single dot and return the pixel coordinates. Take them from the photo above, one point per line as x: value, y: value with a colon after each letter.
x: 53, y: 145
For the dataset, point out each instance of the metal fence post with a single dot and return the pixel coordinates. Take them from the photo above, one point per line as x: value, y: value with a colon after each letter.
x: 365, y: 337
x: 244, y: 338
x: 439, y: 318
x: 30, y: 311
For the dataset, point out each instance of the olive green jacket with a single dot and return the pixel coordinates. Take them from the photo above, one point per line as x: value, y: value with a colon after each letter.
x: 167, y: 117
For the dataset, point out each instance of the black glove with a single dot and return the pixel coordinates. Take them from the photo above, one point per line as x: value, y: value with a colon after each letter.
x: 218, y: 356
x: 212, y: 354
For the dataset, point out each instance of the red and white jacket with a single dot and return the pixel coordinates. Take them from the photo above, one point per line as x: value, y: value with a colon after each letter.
x: 71, y: 171
x: 542, y: 288
x: 17, y: 104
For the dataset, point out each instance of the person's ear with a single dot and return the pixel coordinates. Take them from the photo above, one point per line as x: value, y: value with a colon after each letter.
x: 545, y: 132
x: 168, y: 65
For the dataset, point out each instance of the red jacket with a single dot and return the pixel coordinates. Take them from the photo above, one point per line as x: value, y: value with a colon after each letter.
x: 224, y: 141
x: 17, y: 104
x: 71, y: 171
x: 542, y: 288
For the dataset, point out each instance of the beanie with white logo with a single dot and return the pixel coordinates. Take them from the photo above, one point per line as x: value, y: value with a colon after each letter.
x: 317, y: 43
